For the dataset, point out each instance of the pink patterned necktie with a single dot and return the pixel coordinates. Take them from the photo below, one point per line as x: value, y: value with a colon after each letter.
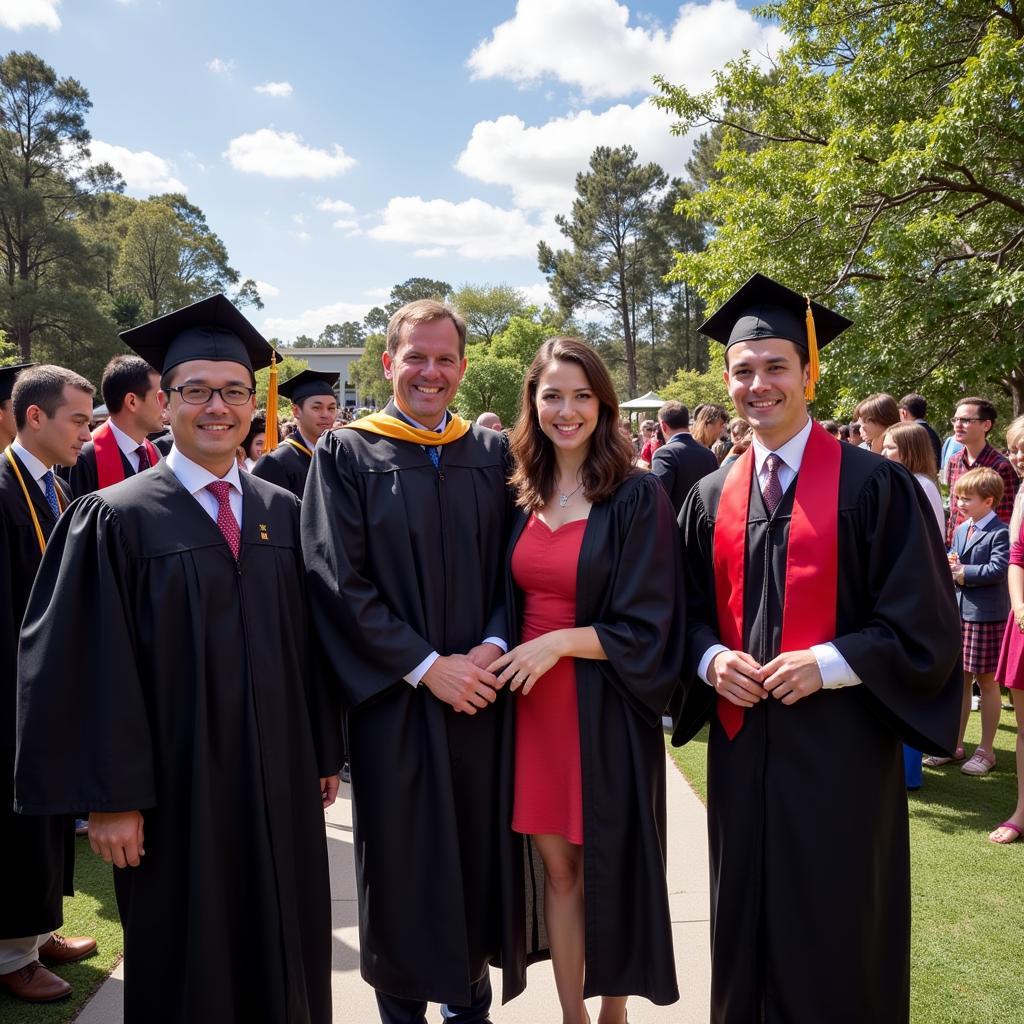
x: 772, y: 492
x: 225, y: 517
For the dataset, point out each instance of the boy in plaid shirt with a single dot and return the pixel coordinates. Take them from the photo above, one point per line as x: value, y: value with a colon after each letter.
x: 972, y: 422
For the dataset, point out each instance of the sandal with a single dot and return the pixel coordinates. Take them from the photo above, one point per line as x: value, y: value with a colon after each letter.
x: 981, y: 763
x: 1015, y: 829
x: 934, y: 761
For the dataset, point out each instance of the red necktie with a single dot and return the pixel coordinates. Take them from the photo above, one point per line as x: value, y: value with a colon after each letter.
x: 225, y: 517
x: 970, y: 532
x: 143, y: 454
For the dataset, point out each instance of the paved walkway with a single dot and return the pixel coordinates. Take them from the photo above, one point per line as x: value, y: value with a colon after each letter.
x: 353, y: 998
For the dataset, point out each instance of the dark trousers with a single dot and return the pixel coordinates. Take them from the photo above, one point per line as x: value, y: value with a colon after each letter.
x: 395, y: 1010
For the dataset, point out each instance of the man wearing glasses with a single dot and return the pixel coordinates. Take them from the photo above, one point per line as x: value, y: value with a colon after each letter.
x: 972, y: 423
x: 165, y: 685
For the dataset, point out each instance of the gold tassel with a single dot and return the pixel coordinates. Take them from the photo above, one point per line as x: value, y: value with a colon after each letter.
x: 270, y: 438
x: 812, y: 351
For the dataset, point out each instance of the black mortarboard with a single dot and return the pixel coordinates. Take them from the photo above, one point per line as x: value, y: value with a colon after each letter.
x: 307, y: 384
x: 8, y: 375
x: 763, y: 308
x: 211, y: 329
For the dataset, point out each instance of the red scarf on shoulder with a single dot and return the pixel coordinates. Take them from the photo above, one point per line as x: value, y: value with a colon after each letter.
x: 812, y: 556
x: 109, y: 467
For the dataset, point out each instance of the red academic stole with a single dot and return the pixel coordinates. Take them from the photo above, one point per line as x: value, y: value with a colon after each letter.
x: 812, y: 556
x: 109, y: 467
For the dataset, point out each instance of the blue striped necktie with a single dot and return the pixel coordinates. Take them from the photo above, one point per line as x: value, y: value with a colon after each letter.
x: 51, y: 493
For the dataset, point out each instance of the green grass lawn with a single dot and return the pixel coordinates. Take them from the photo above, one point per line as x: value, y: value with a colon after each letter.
x: 93, y: 912
x: 968, y: 893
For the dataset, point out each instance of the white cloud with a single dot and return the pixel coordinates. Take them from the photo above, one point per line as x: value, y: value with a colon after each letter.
x: 536, y: 294
x: 378, y: 293
x: 303, y: 236
x: 335, y: 206
x: 144, y: 172
x: 540, y: 163
x: 284, y: 155
x: 589, y: 44
x: 19, y: 14
x: 473, y: 229
x: 221, y: 67
x: 312, y: 321
x: 431, y: 253
x: 299, y: 218
x: 274, y: 88
x: 267, y: 291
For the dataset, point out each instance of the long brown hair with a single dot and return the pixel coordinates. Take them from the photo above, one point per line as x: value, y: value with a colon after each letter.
x: 610, y: 456
x: 915, y: 448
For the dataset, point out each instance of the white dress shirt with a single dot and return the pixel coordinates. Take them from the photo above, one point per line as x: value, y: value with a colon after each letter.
x: 421, y: 669
x: 835, y: 669
x: 128, y: 445
x: 35, y: 468
x: 195, y: 479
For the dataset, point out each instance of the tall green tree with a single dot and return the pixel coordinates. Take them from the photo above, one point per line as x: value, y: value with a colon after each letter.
x: 608, y: 231
x: 408, y: 291
x: 879, y: 167
x: 488, y: 308
x: 47, y: 272
x: 350, y: 334
x: 367, y: 372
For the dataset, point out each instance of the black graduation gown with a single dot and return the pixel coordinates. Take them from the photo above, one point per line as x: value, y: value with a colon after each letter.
x: 83, y: 477
x: 37, y: 855
x: 807, y: 808
x: 157, y: 674
x: 628, y: 589
x: 285, y: 466
x: 404, y: 559
x: 163, y: 442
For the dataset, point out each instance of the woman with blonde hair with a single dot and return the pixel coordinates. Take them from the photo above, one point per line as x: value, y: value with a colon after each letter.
x: 909, y: 444
x: 1010, y: 669
x: 593, y: 576
x: 708, y: 422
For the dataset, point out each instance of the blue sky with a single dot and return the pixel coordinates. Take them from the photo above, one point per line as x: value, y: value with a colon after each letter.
x: 339, y: 148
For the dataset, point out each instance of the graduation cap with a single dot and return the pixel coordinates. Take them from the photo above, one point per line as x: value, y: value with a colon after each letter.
x: 763, y: 308
x: 8, y: 375
x: 212, y: 329
x: 307, y: 384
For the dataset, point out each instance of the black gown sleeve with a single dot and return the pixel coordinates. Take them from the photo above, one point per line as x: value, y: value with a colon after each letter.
x: 272, y: 471
x: 367, y: 646
x: 642, y: 623
x: 84, y: 739
x: 697, y: 533
x: 907, y: 653
x: 82, y: 477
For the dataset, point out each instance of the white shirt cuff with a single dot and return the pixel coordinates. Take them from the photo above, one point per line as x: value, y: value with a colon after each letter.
x: 414, y: 677
x: 705, y: 663
x: 498, y: 642
x: 835, y: 669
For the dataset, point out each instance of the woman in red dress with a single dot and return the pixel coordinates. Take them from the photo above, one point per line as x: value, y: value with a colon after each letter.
x: 594, y: 568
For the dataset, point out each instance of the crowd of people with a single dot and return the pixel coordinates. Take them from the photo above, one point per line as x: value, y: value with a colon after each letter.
x: 205, y: 620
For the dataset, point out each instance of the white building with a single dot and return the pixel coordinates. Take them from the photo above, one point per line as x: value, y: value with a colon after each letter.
x: 333, y: 360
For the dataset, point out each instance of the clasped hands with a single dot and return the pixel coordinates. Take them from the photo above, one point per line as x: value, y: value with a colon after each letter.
x: 742, y: 681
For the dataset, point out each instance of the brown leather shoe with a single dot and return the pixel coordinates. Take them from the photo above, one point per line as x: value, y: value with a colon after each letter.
x: 35, y: 984
x: 58, y: 950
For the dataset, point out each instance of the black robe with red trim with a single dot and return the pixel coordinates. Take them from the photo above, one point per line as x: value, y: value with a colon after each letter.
x: 158, y: 674
x: 807, y: 808
x: 37, y: 855
x: 627, y: 588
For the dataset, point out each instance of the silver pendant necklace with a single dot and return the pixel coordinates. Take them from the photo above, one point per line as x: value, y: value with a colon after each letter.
x: 563, y: 499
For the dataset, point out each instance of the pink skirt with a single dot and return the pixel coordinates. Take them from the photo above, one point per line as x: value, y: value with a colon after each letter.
x: 1010, y: 669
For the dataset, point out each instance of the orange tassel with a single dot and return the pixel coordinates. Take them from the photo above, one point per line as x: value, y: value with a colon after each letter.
x: 812, y: 351
x: 270, y: 440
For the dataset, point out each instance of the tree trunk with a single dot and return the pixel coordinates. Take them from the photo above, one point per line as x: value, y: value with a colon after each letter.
x: 23, y: 337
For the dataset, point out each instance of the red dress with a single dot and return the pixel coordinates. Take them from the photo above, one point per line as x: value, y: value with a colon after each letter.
x: 548, y: 779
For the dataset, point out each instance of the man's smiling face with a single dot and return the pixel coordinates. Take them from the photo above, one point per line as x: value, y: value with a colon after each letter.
x: 426, y: 369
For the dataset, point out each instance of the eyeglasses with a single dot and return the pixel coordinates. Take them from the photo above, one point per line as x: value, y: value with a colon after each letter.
x: 200, y: 394
x: 964, y: 419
